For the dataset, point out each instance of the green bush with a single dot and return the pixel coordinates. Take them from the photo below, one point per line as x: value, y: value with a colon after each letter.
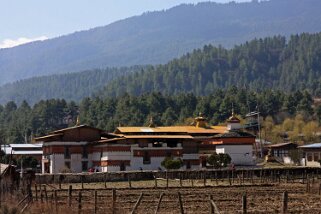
x: 170, y: 163
x: 219, y: 160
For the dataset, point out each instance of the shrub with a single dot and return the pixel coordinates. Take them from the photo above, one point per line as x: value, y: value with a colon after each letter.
x: 219, y: 160
x: 170, y: 163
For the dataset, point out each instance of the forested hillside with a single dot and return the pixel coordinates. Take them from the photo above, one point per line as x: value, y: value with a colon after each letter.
x: 259, y: 64
x: 19, y: 123
x: 157, y: 37
x: 72, y: 86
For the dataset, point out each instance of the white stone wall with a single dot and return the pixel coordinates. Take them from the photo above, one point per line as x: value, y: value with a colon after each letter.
x: 155, y: 162
x: 116, y: 155
x: 240, y: 154
x: 313, y: 164
x: 234, y: 126
x: 96, y: 156
x: 114, y: 168
x: 313, y: 161
x: 287, y: 160
x: 137, y: 162
x: 76, y: 162
x: 57, y: 163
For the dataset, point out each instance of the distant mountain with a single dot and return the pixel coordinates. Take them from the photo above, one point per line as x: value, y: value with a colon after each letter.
x: 157, y: 37
x: 71, y: 86
x: 270, y: 63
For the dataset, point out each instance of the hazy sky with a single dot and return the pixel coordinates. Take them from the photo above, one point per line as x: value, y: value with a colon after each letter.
x: 22, y: 21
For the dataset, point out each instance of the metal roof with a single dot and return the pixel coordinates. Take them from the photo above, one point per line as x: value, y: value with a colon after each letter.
x: 281, y: 145
x: 26, y: 145
x: 24, y: 149
x: 311, y: 146
x: 27, y: 152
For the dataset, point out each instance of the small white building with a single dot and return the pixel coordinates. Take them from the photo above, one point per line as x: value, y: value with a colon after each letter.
x: 311, y: 154
x: 238, y: 145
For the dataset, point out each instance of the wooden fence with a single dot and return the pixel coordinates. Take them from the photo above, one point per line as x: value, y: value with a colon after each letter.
x: 85, y: 195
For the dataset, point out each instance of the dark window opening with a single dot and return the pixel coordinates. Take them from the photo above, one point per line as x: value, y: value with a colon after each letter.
x: 122, y: 167
x: 204, y: 163
x: 168, y: 154
x: 84, y: 165
x: 143, y: 144
x: 315, y: 157
x: 309, y: 156
x: 66, y: 152
x: 67, y: 164
x: 172, y: 144
x: 188, y: 165
x: 84, y: 152
x: 146, y: 158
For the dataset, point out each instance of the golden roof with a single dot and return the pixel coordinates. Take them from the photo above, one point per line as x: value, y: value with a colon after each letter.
x: 158, y: 137
x: 173, y: 129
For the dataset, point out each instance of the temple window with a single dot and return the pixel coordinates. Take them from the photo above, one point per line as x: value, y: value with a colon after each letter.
x: 66, y: 152
x: 146, y: 158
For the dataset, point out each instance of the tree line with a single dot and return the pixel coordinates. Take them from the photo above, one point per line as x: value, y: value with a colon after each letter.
x: 71, y: 86
x: 259, y: 64
x: 20, y: 123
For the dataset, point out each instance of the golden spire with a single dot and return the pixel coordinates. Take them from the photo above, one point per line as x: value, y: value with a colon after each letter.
x: 78, y: 121
x: 151, y: 122
x: 232, y: 109
x: 200, y: 121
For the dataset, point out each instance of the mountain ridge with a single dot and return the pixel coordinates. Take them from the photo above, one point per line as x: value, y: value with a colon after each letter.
x: 157, y: 37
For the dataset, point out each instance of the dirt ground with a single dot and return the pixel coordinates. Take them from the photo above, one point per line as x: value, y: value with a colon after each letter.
x: 261, y: 198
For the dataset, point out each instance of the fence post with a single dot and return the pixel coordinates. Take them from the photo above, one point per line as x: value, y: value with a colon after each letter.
x: 36, y: 192
x: 166, y: 180
x: 69, y: 195
x: 155, y: 180
x: 285, y: 202
x: 261, y: 174
x: 180, y: 203
x: 46, y: 195
x: 59, y: 178
x: 105, y: 178
x: 242, y: 176
x: 319, y: 188
x: 211, y: 206
x: 204, y: 178
x: 244, y: 203
x: 159, y: 201
x: 137, y: 203
x: 216, y: 181
x: 113, y: 195
x: 82, y: 181
x: 95, y: 210
x: 41, y: 195
x: 0, y: 193
x: 56, y: 201
x: 79, y: 202
x: 129, y: 181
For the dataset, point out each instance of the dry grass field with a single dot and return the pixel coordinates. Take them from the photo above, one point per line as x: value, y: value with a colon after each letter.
x: 261, y: 197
